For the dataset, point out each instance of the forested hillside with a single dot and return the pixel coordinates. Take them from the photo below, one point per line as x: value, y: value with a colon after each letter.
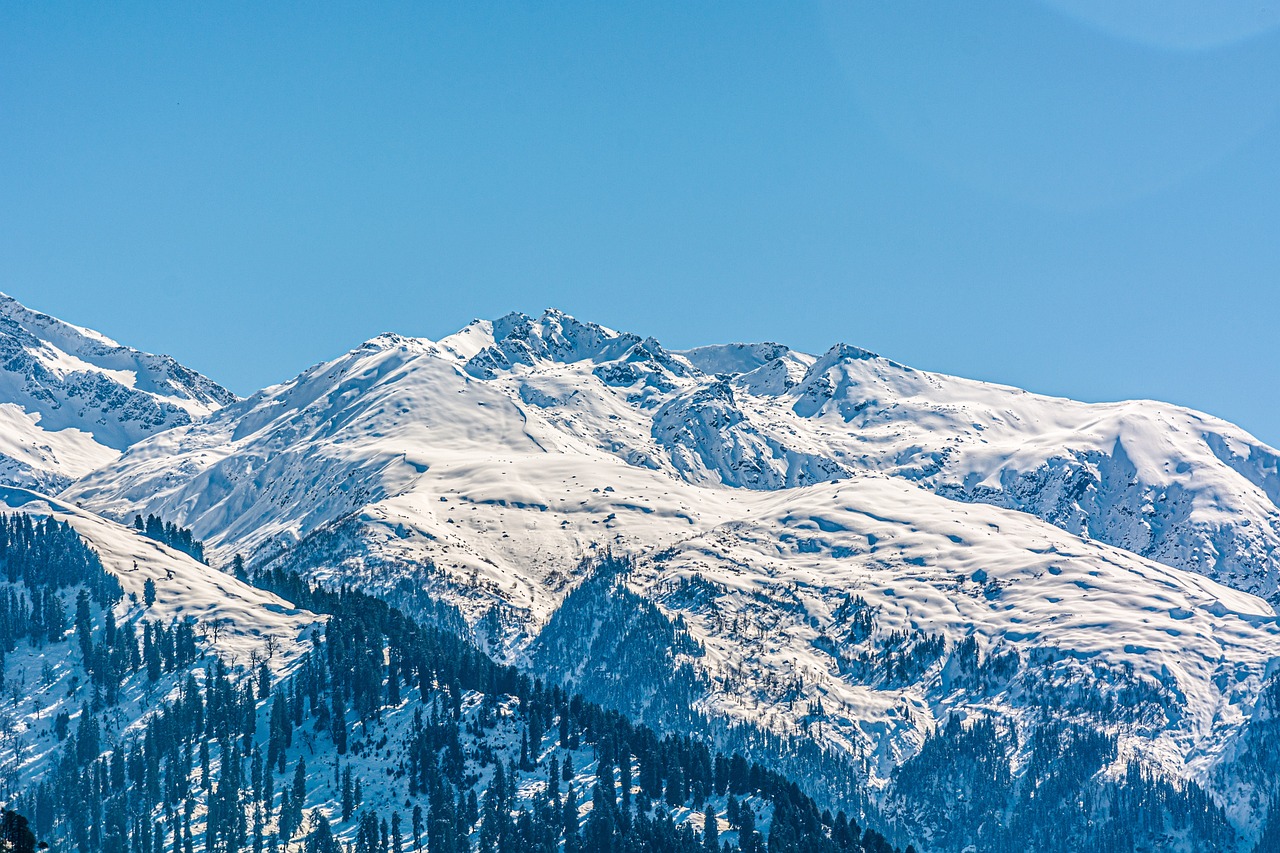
x: 385, y: 736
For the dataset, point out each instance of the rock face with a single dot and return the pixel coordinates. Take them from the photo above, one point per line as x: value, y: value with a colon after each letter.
x: 72, y: 399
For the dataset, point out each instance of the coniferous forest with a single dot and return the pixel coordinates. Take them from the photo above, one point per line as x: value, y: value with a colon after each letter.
x: 178, y: 538
x: 384, y: 736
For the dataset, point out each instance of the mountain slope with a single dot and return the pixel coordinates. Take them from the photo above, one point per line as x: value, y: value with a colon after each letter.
x: 229, y: 619
x: 245, y: 617
x: 869, y: 613
x: 162, y: 724
x: 1162, y: 481
x: 71, y: 399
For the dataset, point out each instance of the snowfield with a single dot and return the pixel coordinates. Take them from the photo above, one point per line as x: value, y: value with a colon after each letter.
x: 1081, y: 621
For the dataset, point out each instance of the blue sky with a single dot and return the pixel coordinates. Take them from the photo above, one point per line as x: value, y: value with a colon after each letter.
x: 1075, y: 196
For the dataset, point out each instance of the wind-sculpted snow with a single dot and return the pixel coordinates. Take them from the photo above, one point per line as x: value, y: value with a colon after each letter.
x: 71, y: 399
x: 734, y: 358
x: 1165, y: 482
x: 892, y: 607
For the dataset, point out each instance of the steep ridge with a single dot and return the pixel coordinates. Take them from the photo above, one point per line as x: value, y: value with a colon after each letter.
x: 71, y: 399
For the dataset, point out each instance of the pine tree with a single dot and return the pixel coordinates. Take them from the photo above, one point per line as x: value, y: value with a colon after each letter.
x: 569, y: 823
x: 338, y: 719
x: 321, y: 839
x: 553, y: 779
x: 285, y: 818
x: 348, y: 795
x: 88, y: 737
x: 748, y: 838
x: 15, y: 833
x: 84, y: 626
x: 299, y: 792
x: 676, y: 794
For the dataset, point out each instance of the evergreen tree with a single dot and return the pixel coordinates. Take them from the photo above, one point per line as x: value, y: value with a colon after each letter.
x: 15, y: 833
x: 572, y: 841
x: 348, y: 795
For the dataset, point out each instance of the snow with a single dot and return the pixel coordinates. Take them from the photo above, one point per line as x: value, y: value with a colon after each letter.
x: 733, y: 358
x: 32, y: 456
x: 933, y: 565
x: 1168, y: 483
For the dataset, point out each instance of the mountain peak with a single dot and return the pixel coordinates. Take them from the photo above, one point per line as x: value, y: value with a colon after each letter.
x: 393, y: 340
x: 555, y: 337
x: 74, y: 397
x: 734, y: 358
x: 846, y: 352
x: 15, y: 312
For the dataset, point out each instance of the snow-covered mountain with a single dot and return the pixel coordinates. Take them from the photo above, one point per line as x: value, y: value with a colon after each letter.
x: 809, y: 523
x: 71, y: 399
x: 1168, y: 483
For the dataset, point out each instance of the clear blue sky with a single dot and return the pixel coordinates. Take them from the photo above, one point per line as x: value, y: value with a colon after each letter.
x: 1076, y: 196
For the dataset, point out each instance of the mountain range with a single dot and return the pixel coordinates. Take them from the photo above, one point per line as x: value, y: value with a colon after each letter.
x: 832, y: 560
